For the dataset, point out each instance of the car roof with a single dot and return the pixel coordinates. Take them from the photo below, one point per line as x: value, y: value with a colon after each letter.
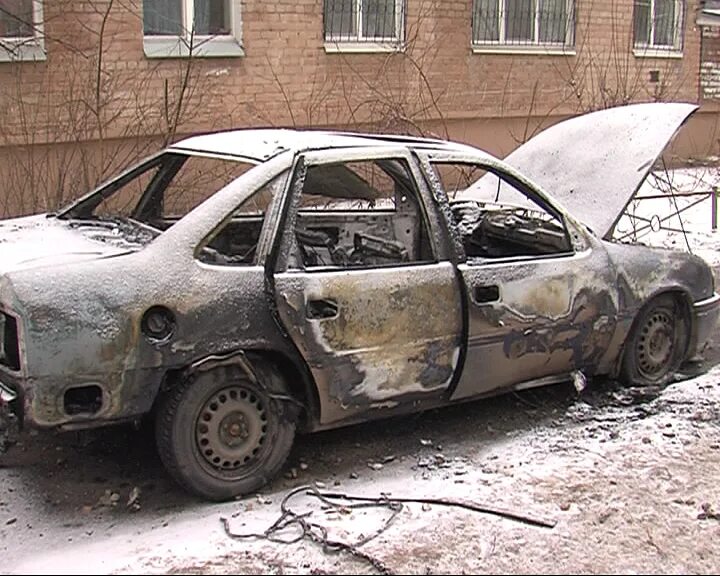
x: 263, y: 144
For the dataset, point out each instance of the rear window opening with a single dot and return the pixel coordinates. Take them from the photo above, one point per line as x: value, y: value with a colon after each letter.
x: 152, y: 197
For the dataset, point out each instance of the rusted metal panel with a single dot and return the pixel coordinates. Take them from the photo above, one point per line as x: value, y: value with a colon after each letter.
x: 395, y: 335
x: 551, y: 316
x: 79, y: 312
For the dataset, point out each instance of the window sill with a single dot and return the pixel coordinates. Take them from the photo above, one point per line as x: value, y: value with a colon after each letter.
x: 524, y: 50
x: 174, y: 47
x: 363, y: 47
x: 656, y: 53
x: 22, y: 51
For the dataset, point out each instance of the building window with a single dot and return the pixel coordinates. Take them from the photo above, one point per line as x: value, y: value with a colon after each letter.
x: 21, y: 30
x: 176, y: 28
x: 657, y: 24
x: 378, y: 23
x: 542, y: 23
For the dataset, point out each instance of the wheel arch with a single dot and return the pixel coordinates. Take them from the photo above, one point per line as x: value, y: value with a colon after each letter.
x: 295, y: 375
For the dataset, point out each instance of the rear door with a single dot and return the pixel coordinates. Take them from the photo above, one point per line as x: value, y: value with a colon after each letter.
x: 362, y: 285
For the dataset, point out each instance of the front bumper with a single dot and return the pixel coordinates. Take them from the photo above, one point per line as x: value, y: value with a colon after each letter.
x: 705, y: 318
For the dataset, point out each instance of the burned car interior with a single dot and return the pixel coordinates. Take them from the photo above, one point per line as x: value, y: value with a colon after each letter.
x: 495, y: 218
x: 359, y: 214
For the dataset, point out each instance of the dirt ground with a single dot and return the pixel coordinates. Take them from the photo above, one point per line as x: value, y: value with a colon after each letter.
x: 629, y: 479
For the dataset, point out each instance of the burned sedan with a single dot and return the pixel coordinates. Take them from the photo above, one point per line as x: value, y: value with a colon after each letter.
x: 241, y: 286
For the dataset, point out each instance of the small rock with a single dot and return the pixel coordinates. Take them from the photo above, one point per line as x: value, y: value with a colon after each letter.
x: 303, y: 466
x: 319, y: 484
x: 426, y: 462
x: 10, y: 521
x: 646, y: 440
x: 374, y: 465
x: 389, y: 458
x: 109, y: 498
x: 426, y: 507
x: 353, y: 476
x: 565, y: 506
x: 708, y: 513
x: 425, y: 442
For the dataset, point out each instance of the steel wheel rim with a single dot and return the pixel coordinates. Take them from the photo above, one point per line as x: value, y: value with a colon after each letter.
x: 231, y: 430
x: 655, y: 348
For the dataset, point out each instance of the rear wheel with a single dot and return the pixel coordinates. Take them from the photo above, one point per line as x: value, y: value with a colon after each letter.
x: 221, y: 434
x: 657, y: 343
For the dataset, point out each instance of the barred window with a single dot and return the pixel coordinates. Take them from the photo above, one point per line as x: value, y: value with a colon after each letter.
x: 183, y: 28
x: 523, y: 22
x: 364, y: 20
x: 21, y: 30
x: 16, y: 19
x: 657, y: 24
x: 179, y: 17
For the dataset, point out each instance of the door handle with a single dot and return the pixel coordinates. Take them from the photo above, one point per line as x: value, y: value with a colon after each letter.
x: 322, y: 309
x: 484, y: 294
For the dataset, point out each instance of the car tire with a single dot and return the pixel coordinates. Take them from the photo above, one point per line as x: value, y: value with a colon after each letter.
x: 657, y: 343
x: 222, y: 433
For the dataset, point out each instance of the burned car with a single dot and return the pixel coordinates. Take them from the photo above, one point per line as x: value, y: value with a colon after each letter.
x: 241, y: 286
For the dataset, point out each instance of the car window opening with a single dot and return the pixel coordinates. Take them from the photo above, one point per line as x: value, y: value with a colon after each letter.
x: 359, y: 215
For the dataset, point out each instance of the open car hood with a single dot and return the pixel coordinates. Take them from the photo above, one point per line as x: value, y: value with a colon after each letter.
x: 595, y: 163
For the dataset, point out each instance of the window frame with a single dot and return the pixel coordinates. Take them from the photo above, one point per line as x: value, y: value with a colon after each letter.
x: 26, y: 48
x: 205, y: 46
x: 270, y: 216
x: 358, y: 42
x: 524, y: 46
x: 283, y: 242
x: 660, y: 50
x: 540, y: 204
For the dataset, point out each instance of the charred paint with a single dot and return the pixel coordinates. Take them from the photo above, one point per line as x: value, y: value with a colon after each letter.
x: 396, y: 332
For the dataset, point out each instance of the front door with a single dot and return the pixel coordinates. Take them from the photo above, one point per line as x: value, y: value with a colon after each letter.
x: 539, y: 291
x: 362, y: 288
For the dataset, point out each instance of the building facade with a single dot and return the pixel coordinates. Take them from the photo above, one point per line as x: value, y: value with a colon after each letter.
x: 88, y: 86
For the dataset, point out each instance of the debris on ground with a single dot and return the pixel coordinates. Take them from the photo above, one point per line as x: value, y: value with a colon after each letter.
x: 133, y: 502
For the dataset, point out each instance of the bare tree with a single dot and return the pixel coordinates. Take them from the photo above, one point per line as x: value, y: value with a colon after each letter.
x: 65, y: 137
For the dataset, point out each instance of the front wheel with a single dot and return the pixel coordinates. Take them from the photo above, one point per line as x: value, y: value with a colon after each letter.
x: 222, y: 434
x: 657, y: 343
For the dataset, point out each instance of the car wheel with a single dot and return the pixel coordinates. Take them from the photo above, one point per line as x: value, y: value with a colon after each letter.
x: 222, y: 434
x: 657, y: 343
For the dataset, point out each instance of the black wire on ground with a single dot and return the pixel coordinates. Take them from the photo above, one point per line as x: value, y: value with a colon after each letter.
x: 318, y: 533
